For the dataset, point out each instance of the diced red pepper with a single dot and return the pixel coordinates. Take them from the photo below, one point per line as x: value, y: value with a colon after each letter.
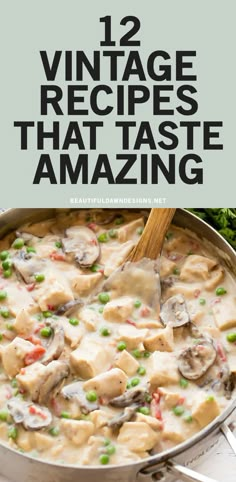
x: 197, y: 293
x: 55, y: 256
x: 145, y: 311
x: 39, y: 327
x: 130, y: 322
x: 30, y: 287
x: 8, y: 393
x: 33, y: 339
x: 34, y: 411
x: 34, y: 354
x: 181, y: 400
x: 93, y: 226
x: 220, y: 351
x: 51, y: 307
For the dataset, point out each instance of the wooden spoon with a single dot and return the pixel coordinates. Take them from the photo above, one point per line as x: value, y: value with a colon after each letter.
x: 152, y: 239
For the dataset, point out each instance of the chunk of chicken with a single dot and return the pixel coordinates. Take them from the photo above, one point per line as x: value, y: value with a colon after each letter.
x: 90, y: 318
x: 33, y: 440
x: 197, y: 267
x: 167, y: 267
x: 53, y: 292
x: 205, y: 409
x: 23, y: 323
x: 163, y: 340
x: 138, y: 436
x: 132, y: 336
x: 13, y: 355
x: 169, y: 399
x: 89, y: 359
x: 31, y: 379
x: 73, y: 333
x: 113, y: 256
x: 119, y: 309
x: 225, y: 313
x: 110, y: 384
x: 78, y: 431
x: 162, y: 369
x: 83, y: 284
x: 127, y: 363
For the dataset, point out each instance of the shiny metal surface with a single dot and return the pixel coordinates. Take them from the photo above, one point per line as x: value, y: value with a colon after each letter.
x: 23, y: 468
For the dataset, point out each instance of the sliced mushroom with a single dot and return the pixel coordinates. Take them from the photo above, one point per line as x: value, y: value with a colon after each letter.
x: 82, y: 243
x: 27, y: 265
x: 125, y: 416
x: 130, y: 397
x: 174, y: 312
x: 56, y: 344
x: 132, y: 277
x: 194, y: 361
x: 68, y: 308
x: 32, y: 416
x: 75, y: 391
x: 56, y: 372
x: 102, y: 218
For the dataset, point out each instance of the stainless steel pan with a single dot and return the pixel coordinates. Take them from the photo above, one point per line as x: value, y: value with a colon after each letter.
x: 167, y: 466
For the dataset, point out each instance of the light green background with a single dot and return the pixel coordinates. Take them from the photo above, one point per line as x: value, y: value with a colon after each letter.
x: 28, y: 26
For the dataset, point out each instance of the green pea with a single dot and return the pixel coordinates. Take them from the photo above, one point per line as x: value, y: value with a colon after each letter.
x: 39, y: 277
x: 105, y: 331
x: 121, y: 345
x: 178, y: 410
x: 169, y: 235
x: 101, y: 309
x: 73, y: 321
x: 58, y: 244
x: 144, y: 410
x: 30, y: 249
x: 18, y: 243
x: 136, y: 353
x: 12, y: 433
x: 106, y: 441
x: 148, y: 398
x: 210, y: 398
x: 46, y: 314
x: 188, y: 417
x: 104, y: 298
x: 1, y: 336
x: 9, y: 326
x: 220, y: 291
x: 110, y: 449
x: 119, y: 220
x: 7, y: 264
x: 103, y: 238
x: 231, y: 337
x: 3, y: 295
x: 91, y: 396
x: 95, y: 268
x: 183, y: 383
x: 14, y: 383
x: 176, y: 271
x: 146, y: 354
x: 202, y: 301
x: 4, y: 415
x: 54, y: 431
x: 128, y: 385
x: 7, y: 273
x: 137, y: 304
x: 112, y: 233
x: 140, y: 230
x: 4, y: 255
x: 65, y: 414
x: 104, y: 459
x: 46, y: 331
x: 134, y: 382
x: 4, y: 312
x: 141, y: 371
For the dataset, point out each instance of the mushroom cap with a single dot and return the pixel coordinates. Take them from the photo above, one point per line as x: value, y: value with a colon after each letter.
x: 129, y: 398
x: 83, y: 244
x: 174, y: 312
x: 32, y: 416
x: 193, y: 362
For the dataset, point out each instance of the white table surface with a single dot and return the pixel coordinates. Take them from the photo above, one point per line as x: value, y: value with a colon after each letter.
x: 220, y: 465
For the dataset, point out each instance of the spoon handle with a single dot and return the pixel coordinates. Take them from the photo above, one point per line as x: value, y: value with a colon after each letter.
x: 152, y: 239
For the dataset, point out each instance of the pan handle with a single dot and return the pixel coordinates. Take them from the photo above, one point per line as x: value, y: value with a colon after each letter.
x: 180, y: 471
x: 230, y: 437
